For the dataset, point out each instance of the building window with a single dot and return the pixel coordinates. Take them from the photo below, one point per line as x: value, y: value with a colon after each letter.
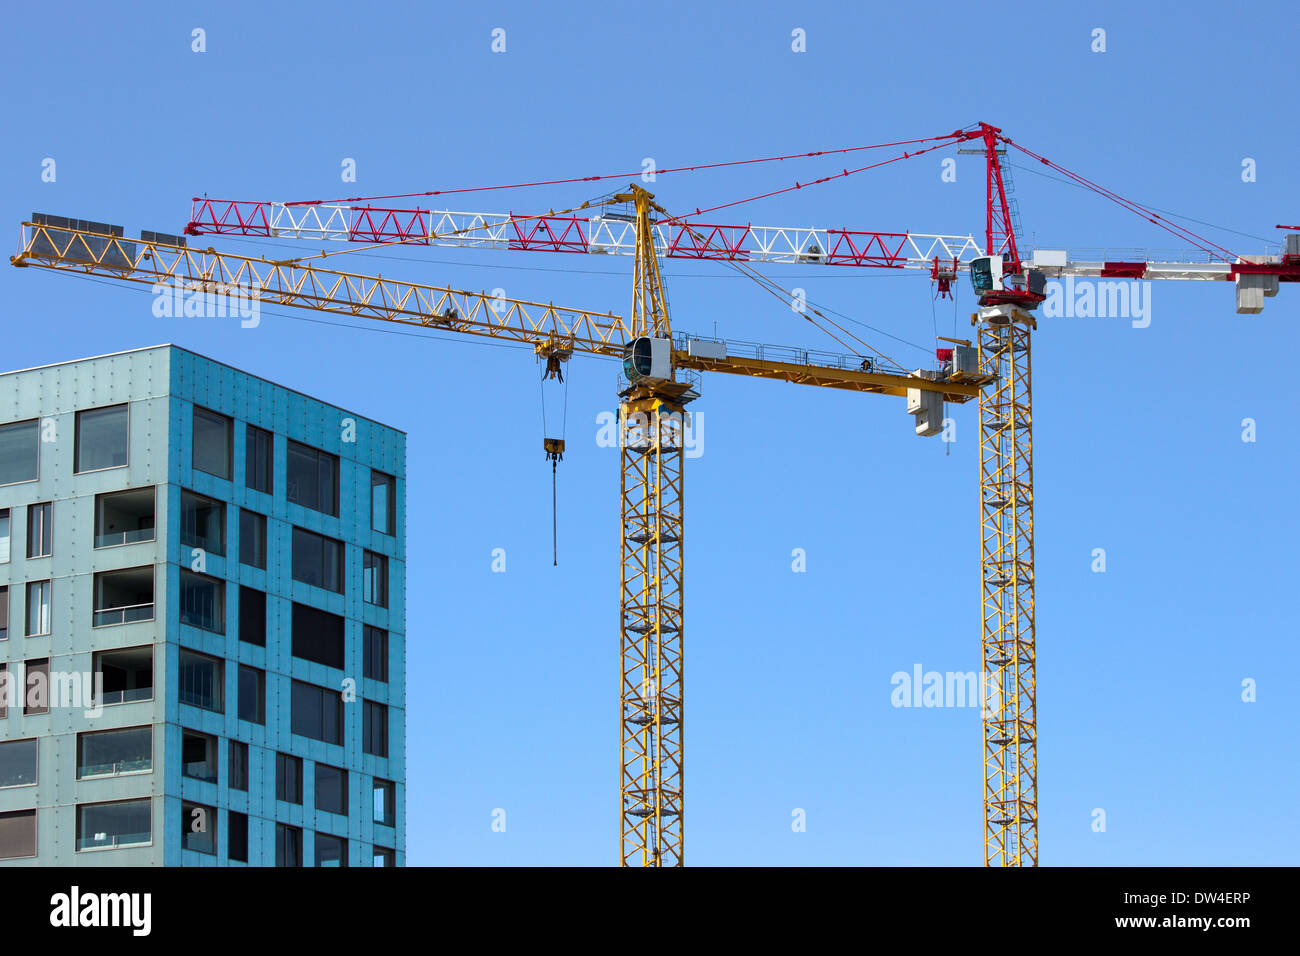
x: 213, y: 440
x: 203, y: 523
x: 124, y: 517
x: 38, y: 608
x: 110, y: 752
x: 123, y: 597
x: 40, y: 530
x: 125, y: 675
x: 252, y: 538
x: 374, y: 653
x: 105, y: 825
x: 17, y: 834
x: 4, y: 612
x: 317, y: 636
x: 288, y: 845
x: 238, y: 765
x: 317, y: 712
x: 4, y: 535
x: 313, y: 478
x: 18, y: 763
x: 383, y: 503
x: 101, y: 439
x: 20, y: 444
x: 4, y: 690
x: 331, y: 850
x: 259, y: 459
x: 317, y: 560
x: 374, y: 579
x: 288, y: 778
x: 198, y: 827
x: 385, y: 802
x: 203, y: 601
x: 331, y: 789
x: 198, y: 756
x: 374, y: 729
x: 37, y: 698
x: 252, y: 616
x: 384, y: 856
x: 252, y: 694
x: 237, y: 836
x: 201, y: 682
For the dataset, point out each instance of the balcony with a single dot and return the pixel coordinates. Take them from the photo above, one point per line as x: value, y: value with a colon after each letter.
x: 203, y: 602
x: 124, y: 675
x: 112, y: 752
x: 198, y: 756
x: 104, y: 826
x: 123, y: 597
x: 124, y: 517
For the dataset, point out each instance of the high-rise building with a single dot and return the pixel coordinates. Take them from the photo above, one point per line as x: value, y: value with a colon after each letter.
x: 202, y: 620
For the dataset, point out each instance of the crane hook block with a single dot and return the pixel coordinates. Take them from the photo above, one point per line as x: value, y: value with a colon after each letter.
x: 554, y: 449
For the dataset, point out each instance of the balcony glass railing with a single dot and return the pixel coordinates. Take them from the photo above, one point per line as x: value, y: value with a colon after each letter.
x: 112, y: 769
x: 101, y: 841
x: 123, y: 537
x: 200, y: 770
x: 127, y: 696
x: 126, y: 614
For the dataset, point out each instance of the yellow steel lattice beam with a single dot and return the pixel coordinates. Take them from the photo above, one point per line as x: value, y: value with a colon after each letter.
x: 300, y: 285
x: 1010, y: 724
x: 651, y: 632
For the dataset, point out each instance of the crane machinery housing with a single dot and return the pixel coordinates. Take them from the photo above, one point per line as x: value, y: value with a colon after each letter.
x: 660, y: 373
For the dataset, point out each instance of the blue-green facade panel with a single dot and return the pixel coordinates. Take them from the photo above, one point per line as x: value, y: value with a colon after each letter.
x: 161, y: 387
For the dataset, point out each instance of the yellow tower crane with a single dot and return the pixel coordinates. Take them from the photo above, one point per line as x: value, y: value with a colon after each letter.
x: 652, y: 419
x: 652, y: 412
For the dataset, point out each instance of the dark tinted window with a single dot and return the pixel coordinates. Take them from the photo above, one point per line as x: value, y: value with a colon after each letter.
x: 374, y: 653
x: 259, y: 461
x: 288, y: 845
x: 374, y: 729
x: 317, y: 560
x: 238, y: 765
x: 331, y: 850
x: 252, y: 539
x: 317, y: 636
x: 101, y: 438
x: 317, y: 713
x: 252, y: 616
x: 313, y: 478
x: 252, y: 694
x: 18, y: 762
x: 288, y: 778
x: 203, y: 601
x: 213, y: 439
x: 202, y: 681
x: 20, y: 444
x: 331, y: 789
x: 203, y: 523
x: 237, y: 828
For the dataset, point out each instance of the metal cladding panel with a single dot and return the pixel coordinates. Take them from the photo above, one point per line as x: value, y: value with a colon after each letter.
x: 360, y: 444
x: 53, y: 395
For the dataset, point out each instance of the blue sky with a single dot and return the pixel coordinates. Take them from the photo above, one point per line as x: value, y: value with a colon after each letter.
x: 513, y: 677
